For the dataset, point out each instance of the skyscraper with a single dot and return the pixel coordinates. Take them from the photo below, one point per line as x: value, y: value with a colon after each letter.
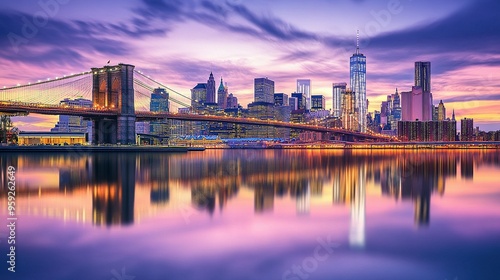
x: 222, y: 95
x: 198, y: 95
x: 263, y: 90
x: 441, y: 111
x: 159, y: 101
x: 423, y: 75
x: 467, y: 129
x: 211, y: 89
x: 304, y: 87
x: 317, y: 102
x: 301, y: 100
x: 416, y: 105
x: 232, y: 101
x: 358, y: 85
x: 348, y: 111
x: 294, y: 103
x: 396, y: 110
x: 281, y: 99
x: 338, y: 93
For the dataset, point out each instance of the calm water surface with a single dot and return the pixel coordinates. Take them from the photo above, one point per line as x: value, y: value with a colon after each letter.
x: 255, y: 214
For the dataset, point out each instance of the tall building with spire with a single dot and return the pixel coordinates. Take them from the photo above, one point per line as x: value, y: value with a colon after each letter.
x: 441, y: 111
x: 358, y: 85
x: 222, y: 95
x: 211, y: 89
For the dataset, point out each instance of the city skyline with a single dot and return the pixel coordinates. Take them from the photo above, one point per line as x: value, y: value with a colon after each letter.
x: 281, y: 48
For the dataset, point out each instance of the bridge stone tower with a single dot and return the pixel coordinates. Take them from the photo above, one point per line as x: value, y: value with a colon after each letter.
x: 113, y: 88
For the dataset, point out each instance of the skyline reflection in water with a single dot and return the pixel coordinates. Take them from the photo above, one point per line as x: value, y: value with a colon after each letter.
x: 268, y: 192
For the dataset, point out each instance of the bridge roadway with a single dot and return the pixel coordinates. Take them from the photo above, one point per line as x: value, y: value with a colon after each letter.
x: 253, y: 121
x: 37, y: 108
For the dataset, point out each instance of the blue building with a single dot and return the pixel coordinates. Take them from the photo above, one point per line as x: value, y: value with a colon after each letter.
x: 358, y: 85
x: 159, y: 103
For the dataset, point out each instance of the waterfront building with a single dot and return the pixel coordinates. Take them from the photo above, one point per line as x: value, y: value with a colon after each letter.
x: 74, y: 123
x: 427, y: 131
x: 142, y: 127
x: 261, y: 111
x: 51, y: 138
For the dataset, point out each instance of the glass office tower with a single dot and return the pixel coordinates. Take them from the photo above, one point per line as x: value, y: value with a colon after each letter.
x: 358, y: 85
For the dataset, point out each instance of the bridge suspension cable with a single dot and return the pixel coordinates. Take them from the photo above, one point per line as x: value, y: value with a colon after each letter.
x: 151, y: 89
x: 145, y: 85
x: 50, y: 91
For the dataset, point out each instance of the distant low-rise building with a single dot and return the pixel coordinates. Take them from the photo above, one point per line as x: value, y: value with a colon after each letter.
x: 427, y: 131
x: 51, y: 138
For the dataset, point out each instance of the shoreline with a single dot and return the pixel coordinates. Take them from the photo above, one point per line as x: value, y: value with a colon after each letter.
x: 182, y: 149
x: 96, y: 149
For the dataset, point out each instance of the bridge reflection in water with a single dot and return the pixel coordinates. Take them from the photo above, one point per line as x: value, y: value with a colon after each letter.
x: 124, y: 188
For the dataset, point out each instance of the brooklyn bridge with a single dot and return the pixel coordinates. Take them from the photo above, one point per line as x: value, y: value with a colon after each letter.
x: 120, y: 96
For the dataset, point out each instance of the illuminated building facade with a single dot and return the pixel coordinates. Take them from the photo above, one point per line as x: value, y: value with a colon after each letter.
x: 428, y: 131
x: 301, y: 100
x: 210, y: 89
x: 466, y: 129
x: 317, y: 102
x: 338, y: 93
x: 198, y: 95
x: 423, y: 75
x: 304, y: 87
x: 281, y: 99
x: 264, y: 90
x: 441, y: 111
x: 222, y: 95
x: 159, y: 103
x: 358, y: 85
x: 349, y: 120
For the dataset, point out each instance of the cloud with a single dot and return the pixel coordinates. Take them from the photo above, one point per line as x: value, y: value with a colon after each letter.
x: 64, y: 41
x: 467, y: 98
x: 474, y: 28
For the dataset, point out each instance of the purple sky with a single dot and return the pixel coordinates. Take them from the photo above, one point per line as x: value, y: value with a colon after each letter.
x: 179, y: 42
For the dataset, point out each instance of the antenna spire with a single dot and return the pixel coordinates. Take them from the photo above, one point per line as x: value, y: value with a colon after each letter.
x: 357, y: 41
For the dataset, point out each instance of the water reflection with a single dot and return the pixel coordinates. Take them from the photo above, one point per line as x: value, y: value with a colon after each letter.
x: 213, y: 178
x: 395, y: 214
